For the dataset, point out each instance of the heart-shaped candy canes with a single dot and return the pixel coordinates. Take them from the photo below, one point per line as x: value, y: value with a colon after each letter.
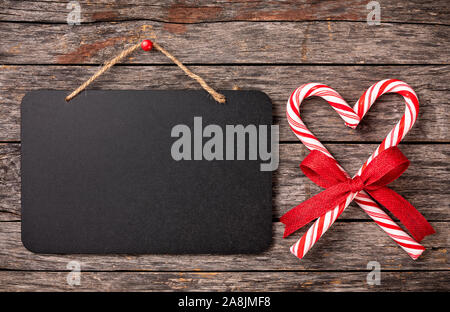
x: 352, y: 117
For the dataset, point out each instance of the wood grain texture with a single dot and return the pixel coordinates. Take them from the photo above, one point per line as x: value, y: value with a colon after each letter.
x: 429, y: 82
x: 234, y: 42
x: 9, y: 182
x: 176, y: 11
x: 346, y: 246
x: 425, y: 184
x: 225, y: 281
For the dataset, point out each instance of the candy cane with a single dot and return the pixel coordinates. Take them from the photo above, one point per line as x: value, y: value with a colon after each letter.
x: 352, y: 119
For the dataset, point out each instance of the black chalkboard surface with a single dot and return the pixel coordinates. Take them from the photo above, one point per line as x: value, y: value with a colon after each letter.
x: 116, y: 172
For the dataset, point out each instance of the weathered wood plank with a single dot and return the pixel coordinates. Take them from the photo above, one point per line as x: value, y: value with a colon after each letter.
x: 206, y: 11
x: 425, y: 184
x: 235, y: 42
x: 429, y: 82
x: 346, y: 246
x: 225, y: 281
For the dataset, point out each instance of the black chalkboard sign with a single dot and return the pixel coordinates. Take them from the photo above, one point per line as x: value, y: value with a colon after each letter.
x: 146, y: 172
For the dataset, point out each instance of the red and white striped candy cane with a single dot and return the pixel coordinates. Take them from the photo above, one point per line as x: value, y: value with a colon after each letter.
x: 352, y: 117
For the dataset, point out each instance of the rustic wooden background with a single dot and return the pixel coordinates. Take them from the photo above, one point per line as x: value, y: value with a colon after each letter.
x: 274, y: 47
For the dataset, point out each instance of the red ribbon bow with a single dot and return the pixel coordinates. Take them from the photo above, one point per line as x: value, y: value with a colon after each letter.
x: 385, y: 168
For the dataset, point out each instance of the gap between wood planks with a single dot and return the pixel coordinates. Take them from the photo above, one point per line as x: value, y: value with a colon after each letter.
x: 231, y: 64
x: 229, y: 271
x: 323, y: 142
x: 274, y: 219
x: 125, y: 20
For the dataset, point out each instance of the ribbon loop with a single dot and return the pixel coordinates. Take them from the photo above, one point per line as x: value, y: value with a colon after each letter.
x: 325, y: 172
x: 389, y: 165
x: 322, y: 170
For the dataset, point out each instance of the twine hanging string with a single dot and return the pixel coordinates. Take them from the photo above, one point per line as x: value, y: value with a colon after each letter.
x: 147, y: 45
x: 104, y: 68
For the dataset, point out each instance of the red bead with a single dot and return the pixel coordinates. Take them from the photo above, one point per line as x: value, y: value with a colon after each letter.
x: 146, y: 45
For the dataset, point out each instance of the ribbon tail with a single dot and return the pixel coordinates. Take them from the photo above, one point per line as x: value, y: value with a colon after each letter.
x: 408, y: 215
x: 313, y: 208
